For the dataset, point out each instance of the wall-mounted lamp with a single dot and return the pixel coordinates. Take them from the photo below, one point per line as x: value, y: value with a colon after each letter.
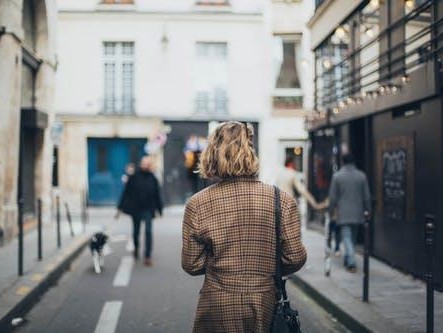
x: 164, y: 42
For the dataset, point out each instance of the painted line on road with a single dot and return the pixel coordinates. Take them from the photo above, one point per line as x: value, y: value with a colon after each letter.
x: 107, y: 323
x: 124, y: 272
x: 130, y: 245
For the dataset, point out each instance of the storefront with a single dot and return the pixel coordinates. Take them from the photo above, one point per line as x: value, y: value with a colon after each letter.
x: 379, y: 97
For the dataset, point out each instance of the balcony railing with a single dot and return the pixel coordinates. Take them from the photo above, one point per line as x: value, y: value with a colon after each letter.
x: 212, y: 3
x: 122, y: 106
x: 287, y: 99
x: 211, y: 106
x: 345, y: 82
x: 318, y: 3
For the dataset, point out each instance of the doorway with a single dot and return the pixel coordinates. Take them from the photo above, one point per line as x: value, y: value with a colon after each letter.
x: 107, y: 159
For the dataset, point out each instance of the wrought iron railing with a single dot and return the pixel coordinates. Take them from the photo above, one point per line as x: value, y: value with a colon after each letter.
x: 318, y: 3
x: 118, y: 106
x: 377, y: 74
x: 211, y: 106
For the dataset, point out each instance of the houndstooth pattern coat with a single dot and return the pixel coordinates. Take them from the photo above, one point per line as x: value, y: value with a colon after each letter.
x: 229, y: 236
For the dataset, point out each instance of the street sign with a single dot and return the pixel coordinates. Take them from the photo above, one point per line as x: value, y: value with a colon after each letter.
x: 56, y: 132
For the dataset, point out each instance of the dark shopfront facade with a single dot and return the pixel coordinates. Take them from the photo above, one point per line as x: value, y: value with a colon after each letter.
x: 179, y: 181
x: 390, y: 118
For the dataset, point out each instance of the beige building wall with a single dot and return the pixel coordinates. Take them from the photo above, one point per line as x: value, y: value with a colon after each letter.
x: 11, y: 53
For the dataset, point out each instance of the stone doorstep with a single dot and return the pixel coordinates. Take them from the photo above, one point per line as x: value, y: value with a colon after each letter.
x: 26, y: 291
x: 355, y: 315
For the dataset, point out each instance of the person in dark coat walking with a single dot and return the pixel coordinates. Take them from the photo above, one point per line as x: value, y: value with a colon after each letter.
x: 349, y: 194
x: 142, y: 200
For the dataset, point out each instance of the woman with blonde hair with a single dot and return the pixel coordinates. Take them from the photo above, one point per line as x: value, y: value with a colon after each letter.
x: 229, y: 236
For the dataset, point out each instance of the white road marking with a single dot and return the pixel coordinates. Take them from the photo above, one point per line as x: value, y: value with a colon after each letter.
x: 124, y: 272
x: 107, y: 323
x: 130, y: 245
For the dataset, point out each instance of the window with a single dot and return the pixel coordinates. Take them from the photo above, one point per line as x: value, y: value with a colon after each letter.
x: 114, y: 2
x: 213, y: 2
x: 29, y: 24
x: 287, y: 69
x: 211, y: 78
x: 118, y: 77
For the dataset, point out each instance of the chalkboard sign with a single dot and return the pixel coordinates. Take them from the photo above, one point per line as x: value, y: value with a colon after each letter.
x: 395, y: 179
x: 394, y: 184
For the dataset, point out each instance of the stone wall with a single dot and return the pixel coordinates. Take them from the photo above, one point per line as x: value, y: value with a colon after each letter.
x: 11, y: 44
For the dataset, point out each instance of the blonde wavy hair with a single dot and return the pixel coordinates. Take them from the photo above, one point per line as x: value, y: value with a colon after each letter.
x: 230, y: 152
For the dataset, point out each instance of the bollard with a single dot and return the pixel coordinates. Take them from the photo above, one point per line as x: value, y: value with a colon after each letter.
x: 429, y: 243
x: 39, y: 229
x: 84, y: 214
x: 57, y: 207
x: 20, y: 237
x: 366, y: 259
x: 68, y: 216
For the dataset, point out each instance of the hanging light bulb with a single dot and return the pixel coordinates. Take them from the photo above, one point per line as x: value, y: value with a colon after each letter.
x: 369, y: 31
x: 405, y: 79
x: 409, y: 4
x: 340, y: 32
x: 350, y: 100
x: 374, y: 4
x: 327, y: 63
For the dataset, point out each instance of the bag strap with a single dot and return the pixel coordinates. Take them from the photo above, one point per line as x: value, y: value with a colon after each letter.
x: 279, y: 282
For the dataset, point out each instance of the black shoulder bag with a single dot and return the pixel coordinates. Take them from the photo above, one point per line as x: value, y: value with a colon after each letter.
x: 285, y: 319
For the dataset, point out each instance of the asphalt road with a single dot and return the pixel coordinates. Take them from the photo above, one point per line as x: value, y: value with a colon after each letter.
x: 129, y: 297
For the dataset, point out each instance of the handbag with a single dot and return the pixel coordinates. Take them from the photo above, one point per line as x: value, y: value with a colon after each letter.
x: 285, y: 319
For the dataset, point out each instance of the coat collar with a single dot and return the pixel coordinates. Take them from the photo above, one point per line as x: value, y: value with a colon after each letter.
x: 241, y: 179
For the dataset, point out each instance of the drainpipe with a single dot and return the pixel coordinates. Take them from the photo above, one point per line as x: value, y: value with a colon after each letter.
x: 2, y: 31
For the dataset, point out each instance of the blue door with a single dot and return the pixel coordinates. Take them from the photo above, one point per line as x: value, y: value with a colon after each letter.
x: 107, y: 159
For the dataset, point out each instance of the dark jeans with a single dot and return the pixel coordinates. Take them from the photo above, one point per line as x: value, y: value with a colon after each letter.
x: 334, y: 228
x: 136, y: 222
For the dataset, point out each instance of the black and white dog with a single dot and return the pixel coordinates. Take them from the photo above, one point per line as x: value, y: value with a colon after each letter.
x: 97, y: 244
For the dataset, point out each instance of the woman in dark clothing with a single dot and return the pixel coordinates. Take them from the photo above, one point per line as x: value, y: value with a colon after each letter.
x: 141, y: 199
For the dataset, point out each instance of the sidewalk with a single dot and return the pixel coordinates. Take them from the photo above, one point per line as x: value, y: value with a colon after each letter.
x: 18, y: 294
x: 397, y: 302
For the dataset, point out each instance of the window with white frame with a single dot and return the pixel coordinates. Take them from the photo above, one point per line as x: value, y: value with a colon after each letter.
x: 211, y: 78
x: 118, y: 77
x: 287, y: 69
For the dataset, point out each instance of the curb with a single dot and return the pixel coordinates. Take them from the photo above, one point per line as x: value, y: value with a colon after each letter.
x: 63, y: 262
x: 342, y: 316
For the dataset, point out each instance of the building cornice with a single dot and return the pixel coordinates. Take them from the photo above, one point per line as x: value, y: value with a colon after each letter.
x: 328, y: 17
x: 98, y: 118
x: 196, y: 12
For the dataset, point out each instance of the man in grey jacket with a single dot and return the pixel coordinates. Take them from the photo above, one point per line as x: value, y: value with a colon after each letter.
x: 349, y: 193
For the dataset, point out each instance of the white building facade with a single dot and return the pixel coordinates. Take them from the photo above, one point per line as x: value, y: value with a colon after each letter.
x: 292, y: 87
x: 130, y: 71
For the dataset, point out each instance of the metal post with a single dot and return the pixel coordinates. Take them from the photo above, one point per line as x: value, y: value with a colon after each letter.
x: 68, y: 216
x: 366, y: 261
x: 83, y: 205
x: 429, y: 243
x: 20, y: 237
x: 39, y: 229
x: 57, y: 207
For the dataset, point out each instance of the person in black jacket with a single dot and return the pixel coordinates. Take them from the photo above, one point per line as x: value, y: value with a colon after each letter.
x: 142, y: 200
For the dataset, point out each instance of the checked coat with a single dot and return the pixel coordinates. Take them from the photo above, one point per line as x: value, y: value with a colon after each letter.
x: 229, y: 236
